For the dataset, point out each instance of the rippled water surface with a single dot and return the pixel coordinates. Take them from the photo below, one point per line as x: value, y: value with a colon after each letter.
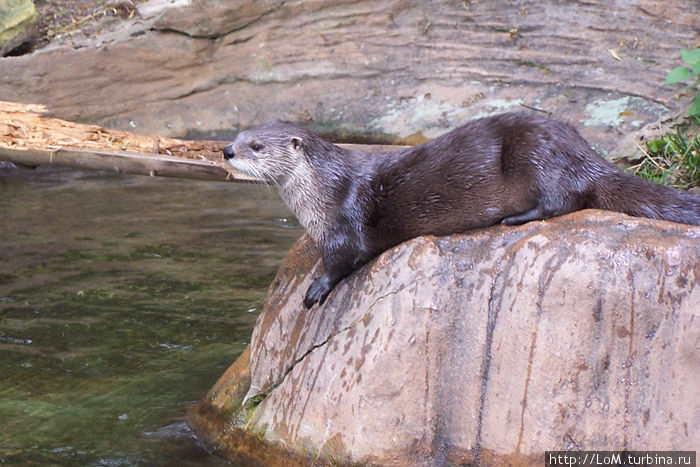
x: 122, y: 300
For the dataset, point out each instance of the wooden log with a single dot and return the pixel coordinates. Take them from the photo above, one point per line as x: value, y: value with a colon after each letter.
x: 123, y: 162
x: 28, y: 139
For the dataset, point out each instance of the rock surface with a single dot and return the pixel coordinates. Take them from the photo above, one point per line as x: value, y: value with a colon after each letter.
x: 576, y: 333
x: 365, y: 69
x: 18, y: 20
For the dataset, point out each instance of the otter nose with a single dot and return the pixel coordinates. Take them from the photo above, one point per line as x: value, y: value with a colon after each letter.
x: 228, y: 152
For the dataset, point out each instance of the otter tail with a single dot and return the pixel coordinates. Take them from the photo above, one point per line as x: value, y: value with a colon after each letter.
x: 632, y: 195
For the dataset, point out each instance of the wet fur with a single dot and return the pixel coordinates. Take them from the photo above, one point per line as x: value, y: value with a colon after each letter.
x: 510, y: 168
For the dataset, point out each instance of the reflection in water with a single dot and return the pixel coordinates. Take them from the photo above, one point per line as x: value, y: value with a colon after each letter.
x: 122, y: 300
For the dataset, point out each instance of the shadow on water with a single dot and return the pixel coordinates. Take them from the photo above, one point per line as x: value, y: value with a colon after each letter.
x: 122, y: 300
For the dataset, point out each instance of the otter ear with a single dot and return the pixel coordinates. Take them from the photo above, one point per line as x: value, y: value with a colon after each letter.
x: 296, y: 142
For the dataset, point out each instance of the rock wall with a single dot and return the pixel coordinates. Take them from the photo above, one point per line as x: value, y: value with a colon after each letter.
x: 576, y: 333
x: 365, y: 69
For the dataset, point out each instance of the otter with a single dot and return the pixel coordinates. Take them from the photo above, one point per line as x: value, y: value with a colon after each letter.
x: 510, y: 168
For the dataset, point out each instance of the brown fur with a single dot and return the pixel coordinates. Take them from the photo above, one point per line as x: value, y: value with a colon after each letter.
x: 510, y: 168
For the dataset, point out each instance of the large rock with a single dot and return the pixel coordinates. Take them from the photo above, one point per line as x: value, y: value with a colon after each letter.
x: 494, y: 346
x: 18, y: 21
x: 372, y: 69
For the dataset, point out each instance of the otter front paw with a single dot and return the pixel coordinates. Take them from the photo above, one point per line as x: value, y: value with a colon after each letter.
x: 318, y: 292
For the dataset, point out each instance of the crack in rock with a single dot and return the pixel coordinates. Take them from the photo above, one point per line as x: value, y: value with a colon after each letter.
x: 256, y: 395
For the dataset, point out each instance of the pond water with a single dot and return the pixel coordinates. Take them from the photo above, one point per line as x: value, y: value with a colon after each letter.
x: 122, y: 300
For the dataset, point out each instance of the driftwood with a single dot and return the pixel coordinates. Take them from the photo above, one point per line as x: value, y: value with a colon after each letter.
x: 28, y: 139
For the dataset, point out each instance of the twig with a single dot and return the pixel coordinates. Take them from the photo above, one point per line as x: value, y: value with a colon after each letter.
x: 546, y: 112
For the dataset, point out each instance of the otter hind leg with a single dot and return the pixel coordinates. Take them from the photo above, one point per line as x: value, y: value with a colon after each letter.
x: 546, y: 209
x: 534, y: 214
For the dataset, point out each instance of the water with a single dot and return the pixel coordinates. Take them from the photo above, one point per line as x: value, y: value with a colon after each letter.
x: 122, y: 300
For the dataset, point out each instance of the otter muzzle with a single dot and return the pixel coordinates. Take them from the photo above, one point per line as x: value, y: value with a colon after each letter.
x: 228, y: 152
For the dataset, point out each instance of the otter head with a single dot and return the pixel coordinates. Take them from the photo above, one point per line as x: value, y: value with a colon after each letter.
x: 272, y: 152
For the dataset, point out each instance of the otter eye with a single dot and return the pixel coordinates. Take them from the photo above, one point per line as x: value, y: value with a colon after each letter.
x: 256, y: 147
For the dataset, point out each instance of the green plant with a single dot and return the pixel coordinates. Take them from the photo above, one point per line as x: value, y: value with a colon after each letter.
x: 682, y: 73
x: 674, y: 159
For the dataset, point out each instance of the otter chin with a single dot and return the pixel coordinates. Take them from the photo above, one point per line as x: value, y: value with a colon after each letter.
x: 511, y: 168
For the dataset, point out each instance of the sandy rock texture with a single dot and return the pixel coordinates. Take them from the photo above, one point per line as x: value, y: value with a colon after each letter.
x: 365, y: 69
x: 576, y: 333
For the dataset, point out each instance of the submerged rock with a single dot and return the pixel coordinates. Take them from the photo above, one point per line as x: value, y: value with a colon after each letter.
x: 493, y: 346
x: 18, y: 24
